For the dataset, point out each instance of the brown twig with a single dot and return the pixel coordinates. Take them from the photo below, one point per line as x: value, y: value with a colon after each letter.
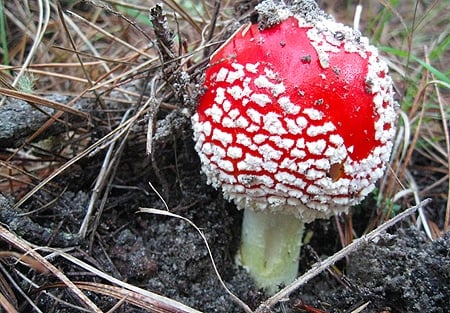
x: 24, y: 246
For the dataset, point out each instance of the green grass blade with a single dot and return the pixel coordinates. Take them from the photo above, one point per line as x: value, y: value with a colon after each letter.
x: 3, y: 39
x: 437, y: 74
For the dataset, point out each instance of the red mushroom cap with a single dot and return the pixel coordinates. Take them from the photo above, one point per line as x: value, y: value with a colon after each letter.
x: 298, y: 116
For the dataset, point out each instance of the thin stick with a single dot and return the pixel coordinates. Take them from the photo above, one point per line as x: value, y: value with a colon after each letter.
x: 320, y: 267
x: 357, y: 16
x: 23, y: 245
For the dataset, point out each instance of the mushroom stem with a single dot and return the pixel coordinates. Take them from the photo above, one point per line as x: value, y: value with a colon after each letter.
x: 270, y: 248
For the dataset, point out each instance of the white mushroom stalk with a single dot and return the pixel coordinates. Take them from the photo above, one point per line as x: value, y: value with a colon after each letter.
x: 296, y: 123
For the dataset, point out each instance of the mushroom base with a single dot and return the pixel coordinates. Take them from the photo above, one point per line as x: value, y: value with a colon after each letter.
x: 270, y: 248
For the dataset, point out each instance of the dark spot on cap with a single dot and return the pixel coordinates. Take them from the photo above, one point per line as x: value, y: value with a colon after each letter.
x: 306, y: 59
x: 336, y: 70
x: 339, y: 36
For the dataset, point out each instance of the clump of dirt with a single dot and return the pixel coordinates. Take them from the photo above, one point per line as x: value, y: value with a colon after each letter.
x: 404, y: 273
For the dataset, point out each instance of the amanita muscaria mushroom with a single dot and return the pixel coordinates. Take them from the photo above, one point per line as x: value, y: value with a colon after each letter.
x: 295, y: 123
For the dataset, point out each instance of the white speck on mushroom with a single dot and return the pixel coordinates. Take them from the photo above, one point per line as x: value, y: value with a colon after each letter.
x: 223, y: 137
x: 351, y: 149
x: 289, y: 107
x: 242, y: 122
x: 263, y: 82
x: 222, y: 74
x: 336, y: 140
x: 342, y: 201
x: 283, y: 143
x: 260, y: 99
x: 234, y: 113
x: 301, y: 122
x: 220, y: 95
x: 270, y: 74
x: 259, y: 138
x: 297, y: 153
x: 300, y: 143
x: 292, y: 126
x: 322, y: 164
x: 269, y: 153
x: 336, y: 155
x: 319, y: 206
x: 226, y: 165
x: 282, y: 188
x: 236, y: 92
x: 313, y: 131
x: 227, y: 178
x: 204, y: 127
x: 266, y: 180
x: 215, y: 112
x: 316, y: 147
x: 304, y: 166
x: 246, y: 180
x: 270, y: 166
x: 207, y: 148
x: 313, y: 189
x: 289, y: 164
x: 254, y: 115
x: 228, y: 122
x: 276, y: 200
x: 313, y: 114
x: 252, y: 68
x: 313, y: 174
x: 226, y: 105
x: 273, y: 124
x: 234, y: 152
x: 253, y: 128
x: 239, y: 74
x: 250, y: 163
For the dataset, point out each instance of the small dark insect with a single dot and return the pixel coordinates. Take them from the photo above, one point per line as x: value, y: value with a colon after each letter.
x: 336, y: 70
x: 339, y: 36
x: 306, y: 59
x: 318, y: 102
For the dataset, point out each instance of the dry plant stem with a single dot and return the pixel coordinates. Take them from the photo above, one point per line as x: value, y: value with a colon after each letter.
x: 320, y: 267
x: 185, y: 15
x: 447, y: 142
x: 102, y: 178
x: 9, y: 308
x: 24, y: 246
x: 44, y: 17
x: 41, y: 101
x: 111, y: 173
x: 107, y: 34
x: 19, y: 289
